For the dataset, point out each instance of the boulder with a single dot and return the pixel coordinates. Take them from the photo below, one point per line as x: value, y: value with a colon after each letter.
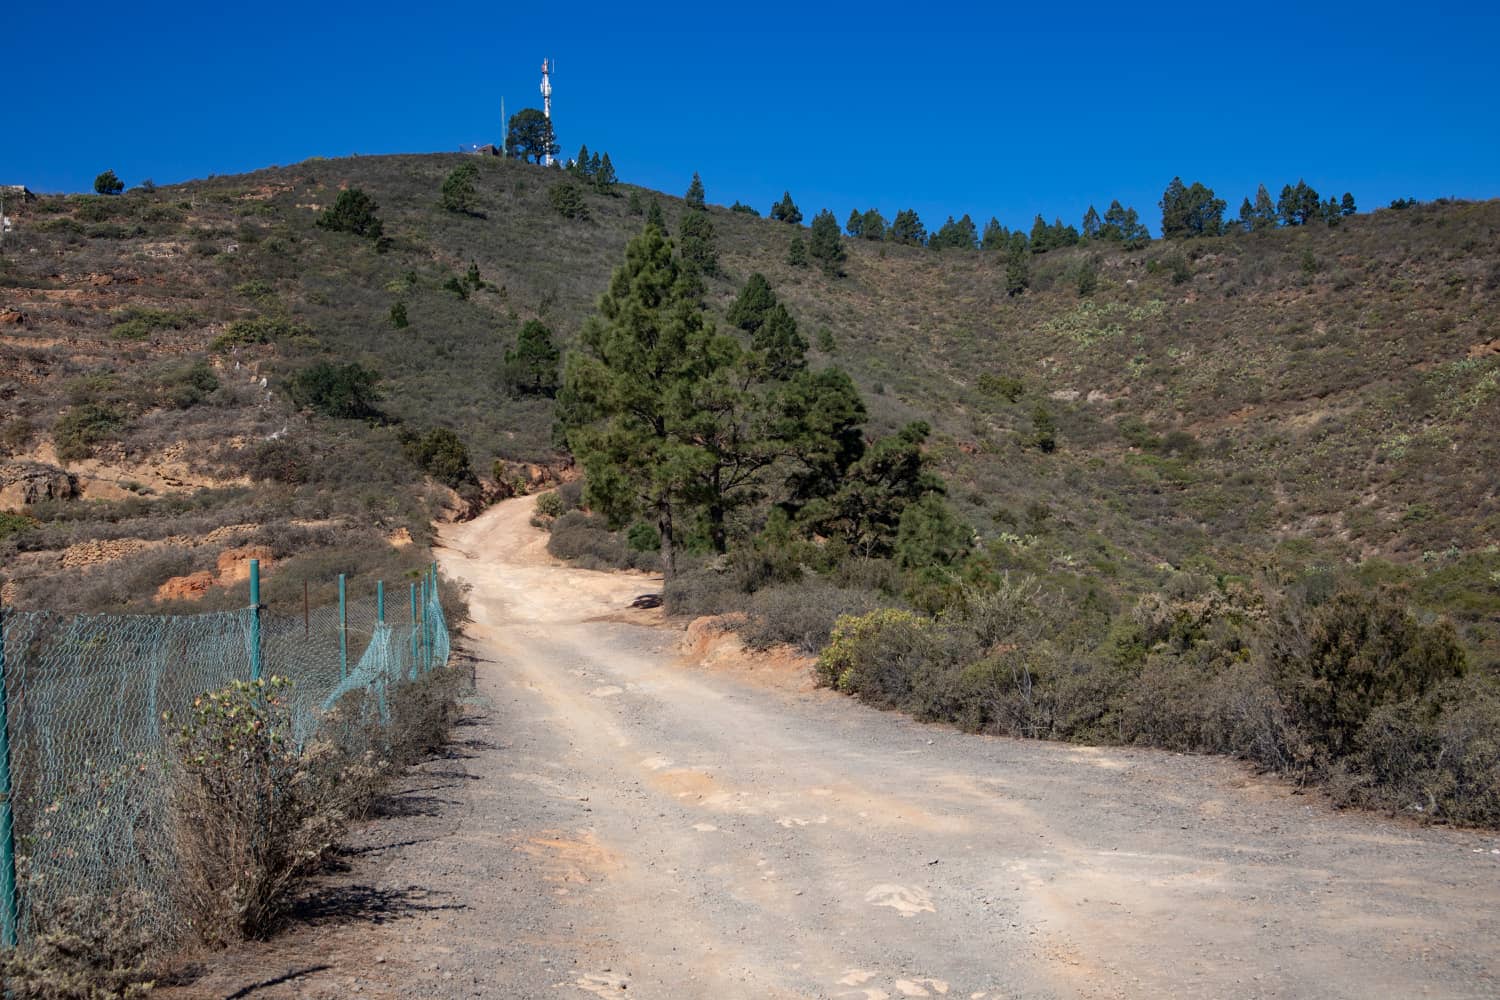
x: 23, y: 483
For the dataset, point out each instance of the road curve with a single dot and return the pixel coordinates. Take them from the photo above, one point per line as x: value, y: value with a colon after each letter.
x: 718, y: 838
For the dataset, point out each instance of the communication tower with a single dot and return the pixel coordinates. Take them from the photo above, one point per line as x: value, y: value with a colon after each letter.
x: 546, y: 102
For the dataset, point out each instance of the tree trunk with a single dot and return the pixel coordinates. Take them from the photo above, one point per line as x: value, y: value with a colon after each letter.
x: 716, y: 530
x: 668, y: 546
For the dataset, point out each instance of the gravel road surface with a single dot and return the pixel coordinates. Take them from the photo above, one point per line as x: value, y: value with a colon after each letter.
x: 620, y: 820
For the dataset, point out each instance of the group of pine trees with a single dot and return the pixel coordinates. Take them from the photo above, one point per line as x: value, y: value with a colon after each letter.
x: 718, y: 437
x: 1193, y: 210
x: 594, y: 169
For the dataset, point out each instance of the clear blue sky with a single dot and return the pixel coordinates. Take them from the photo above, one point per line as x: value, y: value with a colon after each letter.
x: 943, y: 108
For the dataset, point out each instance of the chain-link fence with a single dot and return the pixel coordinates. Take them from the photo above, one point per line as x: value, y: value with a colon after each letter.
x: 86, y: 730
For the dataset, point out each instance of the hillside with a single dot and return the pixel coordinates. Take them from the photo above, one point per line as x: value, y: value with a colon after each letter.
x: 1249, y: 404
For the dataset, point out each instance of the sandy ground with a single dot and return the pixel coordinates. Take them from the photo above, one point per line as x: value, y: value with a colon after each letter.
x: 618, y: 820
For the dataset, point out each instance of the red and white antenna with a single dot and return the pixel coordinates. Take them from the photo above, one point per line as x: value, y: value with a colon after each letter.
x: 547, y: 100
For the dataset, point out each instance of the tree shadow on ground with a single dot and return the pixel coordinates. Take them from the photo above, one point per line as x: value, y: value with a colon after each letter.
x: 367, y: 903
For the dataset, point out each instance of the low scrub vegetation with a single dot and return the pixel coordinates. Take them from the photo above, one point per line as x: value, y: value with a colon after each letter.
x: 1346, y: 688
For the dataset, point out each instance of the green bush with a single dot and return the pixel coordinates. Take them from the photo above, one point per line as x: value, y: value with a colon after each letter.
x: 14, y: 524
x: 353, y: 212
x: 643, y: 537
x: 1006, y: 387
x: 442, y: 455
x: 188, y: 385
x: 549, y: 505
x: 874, y: 655
x: 1336, y: 661
x: 258, y: 330
x: 84, y: 426
x: 341, y: 391
x: 139, y: 322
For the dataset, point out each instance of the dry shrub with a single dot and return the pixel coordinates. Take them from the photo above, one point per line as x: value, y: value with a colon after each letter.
x: 707, y: 589
x: 84, y: 951
x: 423, y: 714
x: 803, y: 614
x: 1438, y: 756
x: 586, y: 541
x: 250, y: 820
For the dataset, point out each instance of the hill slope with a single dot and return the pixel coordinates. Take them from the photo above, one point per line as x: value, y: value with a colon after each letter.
x: 1237, y: 405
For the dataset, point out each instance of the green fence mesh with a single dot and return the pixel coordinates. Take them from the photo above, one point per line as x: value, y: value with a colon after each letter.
x: 88, y: 699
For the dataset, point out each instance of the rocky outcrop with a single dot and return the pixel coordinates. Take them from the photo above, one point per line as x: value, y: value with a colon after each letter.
x: 23, y: 483
x: 186, y: 588
x: 234, y: 564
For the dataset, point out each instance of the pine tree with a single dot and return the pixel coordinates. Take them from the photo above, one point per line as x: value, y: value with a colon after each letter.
x: 530, y: 368
x: 604, y: 177
x: 580, y: 165
x: 781, y: 350
x: 995, y: 235
x: 1091, y: 224
x: 594, y: 165
x: 825, y: 245
x: 796, y: 252
x: 1017, y: 267
x: 874, y: 225
x: 1298, y: 205
x: 907, y: 228
x: 1263, y: 214
x: 786, y: 210
x: 1174, y: 209
x: 108, y: 183
x: 1346, y: 204
x: 1247, y: 215
x: 856, y: 225
x: 1190, y: 211
x: 458, y: 189
x: 654, y: 216
x: 531, y: 136
x: 749, y: 309
x: 626, y: 407
x: 959, y: 235
x: 696, y: 239
x: 1041, y: 235
x: 352, y: 211
x: 694, y: 196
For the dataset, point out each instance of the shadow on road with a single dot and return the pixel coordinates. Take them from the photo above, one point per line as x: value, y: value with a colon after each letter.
x: 367, y: 903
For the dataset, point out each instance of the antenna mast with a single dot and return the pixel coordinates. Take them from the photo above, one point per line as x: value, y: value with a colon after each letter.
x: 504, y: 131
x: 546, y: 105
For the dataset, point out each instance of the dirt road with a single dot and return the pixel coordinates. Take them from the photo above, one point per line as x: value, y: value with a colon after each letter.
x: 627, y: 823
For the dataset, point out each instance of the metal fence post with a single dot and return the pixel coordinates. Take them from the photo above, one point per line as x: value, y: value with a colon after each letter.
x: 380, y: 601
x: 426, y: 615
x: 9, y: 906
x: 413, y: 631
x: 343, y: 631
x: 255, y: 658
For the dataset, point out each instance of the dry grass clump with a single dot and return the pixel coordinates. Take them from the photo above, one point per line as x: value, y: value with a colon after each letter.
x: 87, y: 950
